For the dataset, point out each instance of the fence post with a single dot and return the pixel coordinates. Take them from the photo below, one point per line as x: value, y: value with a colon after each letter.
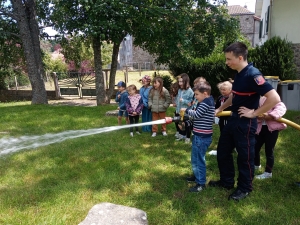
x: 57, y: 90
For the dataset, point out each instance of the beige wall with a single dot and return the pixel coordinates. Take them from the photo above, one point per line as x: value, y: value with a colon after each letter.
x: 285, y: 19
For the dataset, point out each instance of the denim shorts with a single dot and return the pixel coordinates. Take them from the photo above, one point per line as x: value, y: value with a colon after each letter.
x: 121, y: 112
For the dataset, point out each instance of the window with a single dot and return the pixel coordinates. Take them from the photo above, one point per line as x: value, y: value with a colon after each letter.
x: 267, y: 20
x: 261, y: 25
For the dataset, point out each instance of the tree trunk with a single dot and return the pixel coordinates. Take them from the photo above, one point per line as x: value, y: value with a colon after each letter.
x: 25, y: 15
x: 113, y: 71
x: 100, y: 88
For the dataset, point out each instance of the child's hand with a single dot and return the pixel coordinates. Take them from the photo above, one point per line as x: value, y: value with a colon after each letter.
x: 118, y: 108
x: 180, y: 126
x: 134, y: 113
x: 189, y: 104
x: 181, y: 99
x: 174, y: 104
x: 119, y: 96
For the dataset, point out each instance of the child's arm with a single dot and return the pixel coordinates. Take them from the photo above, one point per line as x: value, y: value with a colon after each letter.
x: 168, y: 98
x: 140, y: 106
x: 150, y: 102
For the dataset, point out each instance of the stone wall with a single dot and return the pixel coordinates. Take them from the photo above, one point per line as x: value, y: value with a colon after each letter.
x: 247, y: 27
x: 296, y: 48
x: 21, y: 95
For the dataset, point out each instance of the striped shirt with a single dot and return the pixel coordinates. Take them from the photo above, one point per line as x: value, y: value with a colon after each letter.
x: 203, y: 117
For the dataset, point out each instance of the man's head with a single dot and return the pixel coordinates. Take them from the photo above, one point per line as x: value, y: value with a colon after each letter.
x: 236, y: 56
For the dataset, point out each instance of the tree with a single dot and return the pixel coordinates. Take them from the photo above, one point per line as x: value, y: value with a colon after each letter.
x: 22, y: 15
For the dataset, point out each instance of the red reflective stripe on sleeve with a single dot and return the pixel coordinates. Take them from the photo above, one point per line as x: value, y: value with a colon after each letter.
x: 243, y: 93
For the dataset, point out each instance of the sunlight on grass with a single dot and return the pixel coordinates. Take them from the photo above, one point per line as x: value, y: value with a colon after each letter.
x: 60, y: 182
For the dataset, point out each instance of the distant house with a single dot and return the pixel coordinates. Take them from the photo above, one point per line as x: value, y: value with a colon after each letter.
x: 249, y: 23
x: 280, y: 18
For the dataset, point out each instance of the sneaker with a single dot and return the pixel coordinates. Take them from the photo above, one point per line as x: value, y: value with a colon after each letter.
x: 238, y: 195
x: 164, y: 133
x: 180, y: 137
x: 138, y: 132
x: 176, y: 135
x: 131, y: 134
x: 197, y: 188
x: 191, y: 179
x: 154, y: 134
x: 187, y: 141
x: 257, y: 167
x: 219, y: 183
x: 264, y: 175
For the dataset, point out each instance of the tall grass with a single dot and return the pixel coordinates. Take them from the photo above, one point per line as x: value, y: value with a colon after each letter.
x: 59, y: 183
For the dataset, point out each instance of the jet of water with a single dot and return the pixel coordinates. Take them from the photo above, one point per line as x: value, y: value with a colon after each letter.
x: 11, y: 144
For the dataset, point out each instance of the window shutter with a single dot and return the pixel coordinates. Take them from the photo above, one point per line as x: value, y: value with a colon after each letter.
x: 267, y: 20
x: 261, y: 25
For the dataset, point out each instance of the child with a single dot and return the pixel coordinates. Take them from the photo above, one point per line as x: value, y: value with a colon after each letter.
x: 159, y: 100
x: 174, y: 92
x: 183, y: 99
x: 203, y: 118
x: 146, y: 113
x: 189, y: 123
x: 121, y: 97
x: 225, y: 90
x: 267, y: 133
x: 134, y: 106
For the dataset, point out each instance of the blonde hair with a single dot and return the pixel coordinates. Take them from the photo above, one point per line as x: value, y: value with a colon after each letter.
x: 226, y: 84
x: 132, y: 87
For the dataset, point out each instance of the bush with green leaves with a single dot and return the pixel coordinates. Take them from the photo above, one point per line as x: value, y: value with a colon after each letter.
x: 275, y: 58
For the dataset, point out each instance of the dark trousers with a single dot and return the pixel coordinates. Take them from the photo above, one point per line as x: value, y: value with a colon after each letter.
x: 238, y: 133
x: 269, y: 139
x: 186, y: 132
x: 134, y: 120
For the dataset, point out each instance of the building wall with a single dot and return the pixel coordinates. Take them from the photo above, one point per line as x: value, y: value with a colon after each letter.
x: 264, y: 11
x: 285, y: 19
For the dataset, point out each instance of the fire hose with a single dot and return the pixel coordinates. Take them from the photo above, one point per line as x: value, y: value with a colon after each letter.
x: 183, y: 117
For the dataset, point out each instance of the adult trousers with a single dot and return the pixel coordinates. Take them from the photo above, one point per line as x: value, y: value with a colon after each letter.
x: 238, y: 133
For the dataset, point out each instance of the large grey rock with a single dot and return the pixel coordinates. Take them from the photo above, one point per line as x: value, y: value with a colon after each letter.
x: 111, y: 214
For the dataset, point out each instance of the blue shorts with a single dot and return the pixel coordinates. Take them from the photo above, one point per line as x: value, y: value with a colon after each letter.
x: 121, y: 112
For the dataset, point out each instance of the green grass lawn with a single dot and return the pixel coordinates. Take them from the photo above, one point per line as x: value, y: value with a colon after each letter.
x: 60, y: 182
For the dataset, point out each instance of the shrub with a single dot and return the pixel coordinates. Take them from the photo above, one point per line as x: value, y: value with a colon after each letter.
x: 275, y: 58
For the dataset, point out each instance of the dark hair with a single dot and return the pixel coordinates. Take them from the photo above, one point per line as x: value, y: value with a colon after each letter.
x: 174, y: 89
x: 203, y: 87
x: 161, y: 86
x: 186, y: 80
x: 238, y: 49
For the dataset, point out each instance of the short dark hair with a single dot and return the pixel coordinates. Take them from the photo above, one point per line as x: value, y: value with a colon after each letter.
x: 238, y: 49
x: 203, y: 87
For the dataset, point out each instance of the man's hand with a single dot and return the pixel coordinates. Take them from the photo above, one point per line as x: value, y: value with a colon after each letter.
x: 245, y: 112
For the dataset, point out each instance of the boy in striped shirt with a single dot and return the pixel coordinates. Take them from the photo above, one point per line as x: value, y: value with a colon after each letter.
x: 203, y: 118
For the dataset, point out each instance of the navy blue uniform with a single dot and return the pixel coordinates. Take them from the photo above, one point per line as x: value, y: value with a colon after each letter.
x: 239, y: 132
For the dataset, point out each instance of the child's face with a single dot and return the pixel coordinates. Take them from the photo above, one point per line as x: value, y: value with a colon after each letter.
x: 131, y: 92
x: 199, y: 81
x: 156, y: 84
x: 145, y: 82
x: 200, y: 96
x: 180, y: 82
x: 225, y: 91
x: 120, y: 88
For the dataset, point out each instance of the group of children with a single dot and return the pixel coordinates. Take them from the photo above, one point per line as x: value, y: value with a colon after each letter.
x: 151, y: 101
x: 199, y: 105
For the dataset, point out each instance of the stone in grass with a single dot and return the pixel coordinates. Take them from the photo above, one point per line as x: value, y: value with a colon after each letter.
x: 112, y: 214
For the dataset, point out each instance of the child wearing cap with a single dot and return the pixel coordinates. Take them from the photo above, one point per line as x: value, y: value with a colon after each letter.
x: 121, y: 97
x: 146, y: 112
